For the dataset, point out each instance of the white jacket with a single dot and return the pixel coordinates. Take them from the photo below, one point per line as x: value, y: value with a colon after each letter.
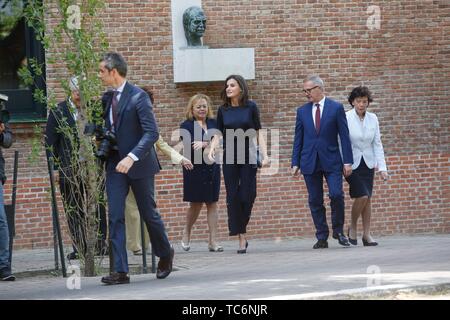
x: 366, y: 140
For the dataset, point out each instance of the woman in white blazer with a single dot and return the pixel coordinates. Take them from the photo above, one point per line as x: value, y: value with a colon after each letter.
x: 368, y: 155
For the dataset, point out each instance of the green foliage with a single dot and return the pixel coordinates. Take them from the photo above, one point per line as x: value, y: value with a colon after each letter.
x: 36, y: 145
x: 10, y: 14
x: 34, y: 13
x: 25, y: 76
x: 39, y: 96
x: 78, y: 50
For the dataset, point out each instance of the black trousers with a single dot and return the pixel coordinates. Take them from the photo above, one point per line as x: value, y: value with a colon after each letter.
x: 71, y: 196
x: 240, y: 184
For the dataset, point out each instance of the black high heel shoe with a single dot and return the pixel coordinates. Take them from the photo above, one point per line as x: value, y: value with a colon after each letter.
x: 352, y: 241
x: 369, y: 244
x: 243, y: 250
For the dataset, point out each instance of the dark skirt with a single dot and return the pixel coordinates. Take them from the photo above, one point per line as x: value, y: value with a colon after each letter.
x: 202, y: 184
x: 361, y: 181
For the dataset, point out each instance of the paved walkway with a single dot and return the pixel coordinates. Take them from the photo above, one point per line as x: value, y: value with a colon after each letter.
x: 272, y: 269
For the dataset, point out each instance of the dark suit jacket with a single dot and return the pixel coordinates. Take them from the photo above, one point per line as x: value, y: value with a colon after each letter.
x: 58, y: 142
x: 308, y: 145
x: 6, y: 140
x: 136, y: 131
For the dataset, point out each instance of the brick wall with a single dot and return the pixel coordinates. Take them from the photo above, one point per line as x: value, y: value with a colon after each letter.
x: 405, y: 63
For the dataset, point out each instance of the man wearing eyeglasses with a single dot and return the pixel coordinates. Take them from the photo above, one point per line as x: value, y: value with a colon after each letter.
x: 319, y: 124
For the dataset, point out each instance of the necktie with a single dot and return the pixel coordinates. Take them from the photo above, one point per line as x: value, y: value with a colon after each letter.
x: 115, y: 107
x: 317, y: 118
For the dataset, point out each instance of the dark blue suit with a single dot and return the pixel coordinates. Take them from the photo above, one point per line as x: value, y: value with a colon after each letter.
x: 318, y: 155
x: 136, y: 132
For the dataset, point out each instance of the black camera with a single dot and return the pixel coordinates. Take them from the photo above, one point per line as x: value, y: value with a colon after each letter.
x: 106, y: 137
x: 4, y: 113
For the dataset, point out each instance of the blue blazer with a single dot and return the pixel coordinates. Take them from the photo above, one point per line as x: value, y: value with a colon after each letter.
x: 136, y: 131
x: 308, y: 144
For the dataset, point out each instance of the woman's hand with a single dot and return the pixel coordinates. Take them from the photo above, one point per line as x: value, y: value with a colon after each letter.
x: 384, y: 175
x: 265, y: 161
x: 199, y: 145
x: 187, y: 164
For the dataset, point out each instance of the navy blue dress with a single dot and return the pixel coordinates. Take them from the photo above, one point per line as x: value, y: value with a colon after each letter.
x: 202, y: 184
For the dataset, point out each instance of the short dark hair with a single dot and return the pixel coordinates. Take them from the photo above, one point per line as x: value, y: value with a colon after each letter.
x: 243, y: 99
x: 114, y: 60
x: 360, y: 92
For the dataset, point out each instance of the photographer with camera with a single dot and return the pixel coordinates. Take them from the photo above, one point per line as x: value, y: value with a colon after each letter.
x: 5, y: 142
x: 60, y: 124
x: 129, y: 114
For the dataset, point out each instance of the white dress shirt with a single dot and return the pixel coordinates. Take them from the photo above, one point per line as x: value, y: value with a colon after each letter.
x: 366, y: 140
x: 322, y: 103
x: 119, y: 94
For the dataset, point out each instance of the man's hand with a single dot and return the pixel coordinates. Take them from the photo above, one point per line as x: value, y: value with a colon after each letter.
x: 124, y: 165
x: 347, y: 170
x: 2, y: 127
x: 295, y: 171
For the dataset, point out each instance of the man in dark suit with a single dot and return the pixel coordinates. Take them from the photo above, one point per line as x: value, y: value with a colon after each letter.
x: 129, y: 114
x: 319, y: 124
x: 60, y: 133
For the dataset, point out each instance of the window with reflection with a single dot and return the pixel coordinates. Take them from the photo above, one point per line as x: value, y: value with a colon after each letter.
x: 17, y: 46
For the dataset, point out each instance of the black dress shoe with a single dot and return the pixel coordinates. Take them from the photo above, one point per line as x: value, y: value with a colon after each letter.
x: 165, y: 265
x: 116, y: 278
x: 369, y: 244
x: 321, y: 244
x: 343, y: 241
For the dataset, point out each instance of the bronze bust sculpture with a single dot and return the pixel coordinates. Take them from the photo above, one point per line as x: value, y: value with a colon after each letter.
x: 194, y: 23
